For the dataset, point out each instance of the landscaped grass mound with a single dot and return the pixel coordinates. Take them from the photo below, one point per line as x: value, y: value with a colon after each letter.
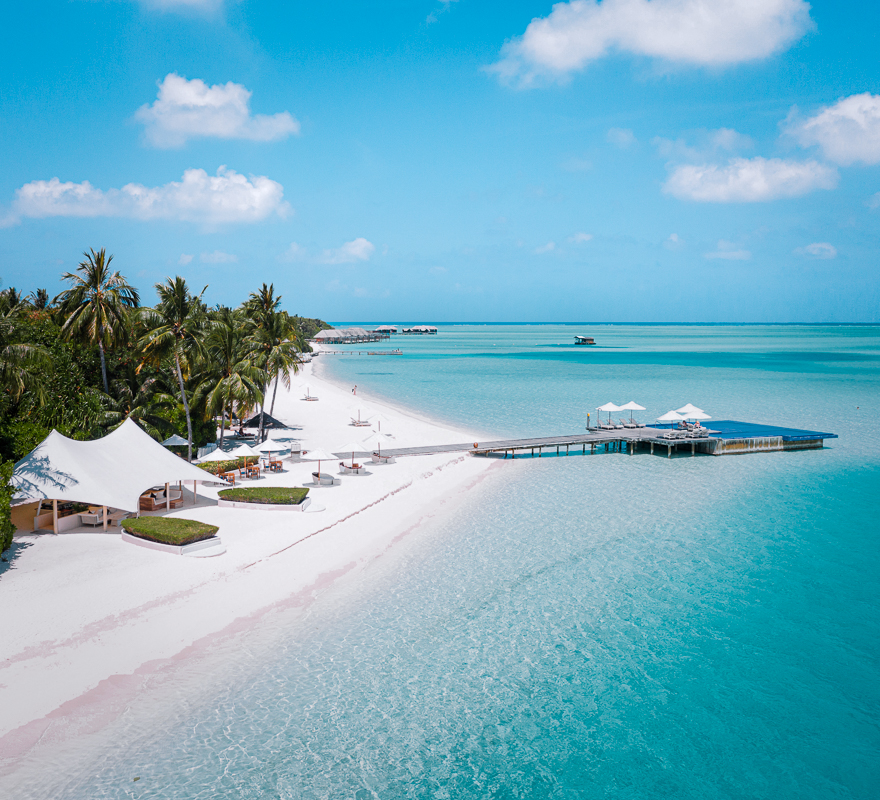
x: 274, y: 495
x: 169, y: 530
x: 216, y: 467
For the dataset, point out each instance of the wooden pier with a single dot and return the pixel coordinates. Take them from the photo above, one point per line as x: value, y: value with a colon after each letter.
x: 731, y: 438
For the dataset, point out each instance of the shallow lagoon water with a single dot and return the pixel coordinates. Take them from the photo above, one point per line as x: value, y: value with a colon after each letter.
x: 579, y: 627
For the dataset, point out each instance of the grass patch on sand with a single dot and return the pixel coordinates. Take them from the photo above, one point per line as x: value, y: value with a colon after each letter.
x: 274, y: 495
x: 169, y: 530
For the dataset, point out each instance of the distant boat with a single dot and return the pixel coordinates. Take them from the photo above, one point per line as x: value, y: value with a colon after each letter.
x: 584, y: 340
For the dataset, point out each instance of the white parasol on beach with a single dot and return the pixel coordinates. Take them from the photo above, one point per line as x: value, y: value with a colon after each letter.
x: 318, y: 455
x: 243, y: 450
x: 175, y: 441
x: 689, y: 410
x: 631, y: 406
x: 670, y: 417
x: 352, y: 447
x: 376, y: 441
x: 378, y: 419
x: 216, y: 455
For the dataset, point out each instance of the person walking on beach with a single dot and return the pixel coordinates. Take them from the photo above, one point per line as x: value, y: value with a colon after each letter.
x: 355, y: 390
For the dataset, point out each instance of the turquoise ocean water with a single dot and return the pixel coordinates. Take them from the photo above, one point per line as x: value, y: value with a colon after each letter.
x: 583, y: 627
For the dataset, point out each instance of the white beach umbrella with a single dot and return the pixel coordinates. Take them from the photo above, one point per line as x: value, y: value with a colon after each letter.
x: 697, y: 415
x: 352, y: 447
x: 216, y: 455
x: 243, y: 450
x: 175, y: 441
x: 670, y: 417
x: 359, y: 413
x: 270, y: 446
x: 631, y: 406
x: 609, y: 407
x: 689, y: 410
x: 375, y: 442
x: 318, y: 455
x: 378, y: 420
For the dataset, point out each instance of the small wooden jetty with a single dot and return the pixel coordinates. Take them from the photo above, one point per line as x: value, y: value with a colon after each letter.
x: 726, y: 437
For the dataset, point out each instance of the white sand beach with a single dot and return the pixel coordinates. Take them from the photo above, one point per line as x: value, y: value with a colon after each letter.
x: 94, y: 617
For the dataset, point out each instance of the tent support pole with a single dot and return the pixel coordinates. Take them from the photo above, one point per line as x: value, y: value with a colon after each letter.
x: 104, y: 510
x: 55, y: 516
x: 167, y: 499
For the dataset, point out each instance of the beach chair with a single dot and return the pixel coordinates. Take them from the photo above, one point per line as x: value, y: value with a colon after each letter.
x: 627, y: 424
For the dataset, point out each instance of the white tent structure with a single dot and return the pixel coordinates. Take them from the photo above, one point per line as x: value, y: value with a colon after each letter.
x: 175, y: 441
x: 111, y: 472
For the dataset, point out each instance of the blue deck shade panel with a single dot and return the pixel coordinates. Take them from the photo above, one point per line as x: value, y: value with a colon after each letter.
x: 732, y: 429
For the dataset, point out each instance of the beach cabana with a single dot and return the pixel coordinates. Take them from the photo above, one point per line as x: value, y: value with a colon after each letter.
x: 269, y: 422
x: 111, y: 472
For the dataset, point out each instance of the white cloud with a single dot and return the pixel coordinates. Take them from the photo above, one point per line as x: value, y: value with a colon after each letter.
x: 696, y: 32
x: 218, y: 257
x: 184, y: 259
x: 191, y: 109
x: 749, y: 180
x: 351, y: 252
x: 729, y: 252
x: 545, y: 248
x: 356, y: 250
x: 673, y: 242
x: 821, y: 250
x: 847, y: 132
x: 226, y: 197
x: 580, y: 238
x: 621, y: 137
x: 709, y: 143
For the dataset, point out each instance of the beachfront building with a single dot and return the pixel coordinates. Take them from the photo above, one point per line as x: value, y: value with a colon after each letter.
x: 420, y: 329
x: 63, y: 483
x: 348, y: 336
x: 387, y: 329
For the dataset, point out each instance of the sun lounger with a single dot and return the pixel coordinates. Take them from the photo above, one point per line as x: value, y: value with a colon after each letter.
x: 627, y: 424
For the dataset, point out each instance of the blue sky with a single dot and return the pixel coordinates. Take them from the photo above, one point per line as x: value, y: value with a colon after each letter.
x: 643, y: 160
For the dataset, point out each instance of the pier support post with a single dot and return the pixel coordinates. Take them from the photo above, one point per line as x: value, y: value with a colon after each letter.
x: 669, y: 451
x: 693, y: 451
x: 652, y: 448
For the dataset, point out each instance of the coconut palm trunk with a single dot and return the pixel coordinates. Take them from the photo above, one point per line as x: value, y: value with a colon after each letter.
x: 274, y: 392
x: 262, y: 415
x: 103, y: 368
x: 189, y: 427
x: 222, y: 424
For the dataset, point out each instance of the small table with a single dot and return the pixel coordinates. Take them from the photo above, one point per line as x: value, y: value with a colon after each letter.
x: 229, y: 476
x: 253, y: 471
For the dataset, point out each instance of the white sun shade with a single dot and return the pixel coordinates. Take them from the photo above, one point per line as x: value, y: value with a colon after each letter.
x: 696, y: 415
x: 609, y: 407
x: 243, y: 450
x: 318, y: 455
x: 690, y: 409
x: 632, y: 405
x: 352, y: 447
x: 112, y: 471
x: 670, y: 416
x: 216, y: 455
x: 175, y: 441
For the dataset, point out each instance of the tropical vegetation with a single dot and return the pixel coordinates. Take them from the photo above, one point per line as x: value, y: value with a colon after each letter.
x: 93, y: 356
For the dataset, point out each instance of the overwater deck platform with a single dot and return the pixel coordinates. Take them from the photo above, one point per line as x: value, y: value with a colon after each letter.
x: 725, y: 437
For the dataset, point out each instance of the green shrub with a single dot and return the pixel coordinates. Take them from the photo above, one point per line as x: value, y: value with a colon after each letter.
x: 169, y: 530
x: 276, y: 495
x: 6, y: 526
x: 216, y: 467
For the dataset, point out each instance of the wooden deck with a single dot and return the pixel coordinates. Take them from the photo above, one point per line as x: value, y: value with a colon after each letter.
x: 619, y: 440
x: 728, y: 441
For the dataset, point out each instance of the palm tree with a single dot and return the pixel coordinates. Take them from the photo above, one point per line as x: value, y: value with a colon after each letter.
x: 39, y: 299
x: 145, y: 401
x: 272, y: 342
x: 20, y: 364
x: 97, y: 305
x: 231, y: 380
x: 11, y: 303
x: 175, y: 328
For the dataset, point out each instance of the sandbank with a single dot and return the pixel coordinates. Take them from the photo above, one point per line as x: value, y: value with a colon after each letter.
x: 88, y: 618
